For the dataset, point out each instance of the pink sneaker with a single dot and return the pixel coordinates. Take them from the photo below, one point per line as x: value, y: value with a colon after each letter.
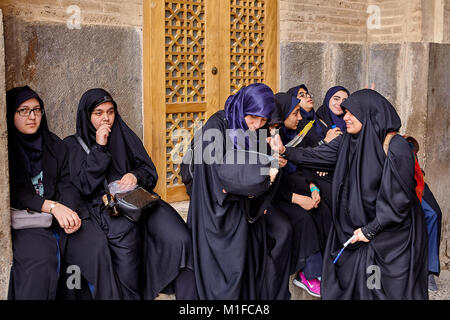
x: 311, y: 286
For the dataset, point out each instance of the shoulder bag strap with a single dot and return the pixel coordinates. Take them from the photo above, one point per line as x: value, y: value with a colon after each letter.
x: 83, y: 144
x: 387, y: 141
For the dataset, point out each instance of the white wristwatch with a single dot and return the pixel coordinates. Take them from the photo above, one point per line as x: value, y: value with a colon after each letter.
x: 52, y: 206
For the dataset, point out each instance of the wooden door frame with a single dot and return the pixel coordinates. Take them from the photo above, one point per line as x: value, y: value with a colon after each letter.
x: 154, y: 102
x: 154, y: 105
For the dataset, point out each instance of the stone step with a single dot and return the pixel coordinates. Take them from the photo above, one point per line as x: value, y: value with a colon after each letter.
x: 296, y: 293
x: 182, y: 208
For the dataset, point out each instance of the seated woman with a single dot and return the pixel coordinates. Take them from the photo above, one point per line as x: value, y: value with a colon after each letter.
x: 148, y: 256
x: 39, y: 181
x: 330, y: 112
x: 374, y: 200
x: 317, y: 135
x: 241, y: 247
x: 299, y: 199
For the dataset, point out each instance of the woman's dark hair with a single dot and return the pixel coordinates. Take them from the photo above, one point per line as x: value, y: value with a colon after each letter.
x: 414, y: 143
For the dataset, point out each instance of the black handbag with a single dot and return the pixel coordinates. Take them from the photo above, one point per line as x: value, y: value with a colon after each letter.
x: 131, y: 204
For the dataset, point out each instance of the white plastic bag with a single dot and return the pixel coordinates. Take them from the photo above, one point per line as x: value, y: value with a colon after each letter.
x: 114, y: 187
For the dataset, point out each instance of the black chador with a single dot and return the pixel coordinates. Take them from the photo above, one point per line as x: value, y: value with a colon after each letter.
x: 241, y: 248
x: 37, y: 252
x: 376, y: 193
x: 310, y: 227
x: 148, y: 256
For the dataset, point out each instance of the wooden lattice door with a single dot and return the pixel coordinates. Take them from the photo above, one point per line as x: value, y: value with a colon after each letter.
x: 197, y: 53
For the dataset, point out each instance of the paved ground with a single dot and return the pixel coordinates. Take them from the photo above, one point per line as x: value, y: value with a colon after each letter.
x: 443, y: 282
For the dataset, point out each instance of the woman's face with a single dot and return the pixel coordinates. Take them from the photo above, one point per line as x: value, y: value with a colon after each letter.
x: 353, y: 124
x: 103, y: 114
x: 306, y: 101
x: 292, y: 120
x: 28, y: 116
x: 335, y: 102
x: 254, y: 122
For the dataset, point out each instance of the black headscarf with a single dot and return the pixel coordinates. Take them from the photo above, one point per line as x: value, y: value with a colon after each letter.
x: 307, y: 116
x: 361, y: 160
x: 325, y: 113
x: 25, y: 149
x: 284, y: 105
x: 124, y: 145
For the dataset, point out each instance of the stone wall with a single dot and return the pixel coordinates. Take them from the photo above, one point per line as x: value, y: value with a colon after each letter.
x: 103, y: 12
x: 62, y: 62
x: 316, y: 20
x: 437, y: 148
x: 446, y: 35
x: 401, y: 20
x: 5, y: 221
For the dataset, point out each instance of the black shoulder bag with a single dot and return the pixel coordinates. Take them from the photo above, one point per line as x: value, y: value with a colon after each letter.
x: 131, y: 204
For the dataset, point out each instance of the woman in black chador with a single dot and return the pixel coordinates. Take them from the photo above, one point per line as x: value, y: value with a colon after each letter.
x: 39, y: 181
x: 241, y: 247
x: 318, y: 134
x: 151, y: 255
x: 300, y: 200
x: 374, y: 199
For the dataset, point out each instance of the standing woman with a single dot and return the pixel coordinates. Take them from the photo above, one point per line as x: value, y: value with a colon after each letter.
x: 149, y: 255
x: 330, y: 112
x: 39, y: 181
x: 233, y: 226
x: 374, y: 199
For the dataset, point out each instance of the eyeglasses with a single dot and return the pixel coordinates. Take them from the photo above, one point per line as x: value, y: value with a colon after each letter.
x: 25, y: 112
x: 304, y: 95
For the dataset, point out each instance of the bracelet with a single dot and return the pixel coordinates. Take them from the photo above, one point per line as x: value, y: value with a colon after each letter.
x: 315, y: 189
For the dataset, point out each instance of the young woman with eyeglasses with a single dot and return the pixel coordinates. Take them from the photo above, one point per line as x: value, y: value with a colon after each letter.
x: 39, y: 181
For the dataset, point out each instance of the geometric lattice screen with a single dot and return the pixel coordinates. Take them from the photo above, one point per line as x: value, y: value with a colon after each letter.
x: 247, y: 47
x: 177, y: 121
x: 185, y: 74
x: 185, y: 51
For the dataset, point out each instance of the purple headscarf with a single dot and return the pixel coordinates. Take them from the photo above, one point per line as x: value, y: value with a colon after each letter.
x: 256, y: 99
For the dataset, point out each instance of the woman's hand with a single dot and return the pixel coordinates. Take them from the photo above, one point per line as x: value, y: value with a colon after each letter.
x: 359, y: 236
x: 71, y: 230
x: 66, y: 217
x: 273, y: 174
x: 276, y: 144
x: 315, y: 195
x: 306, y: 203
x: 102, y: 134
x: 282, y: 162
x: 129, y: 180
x: 331, y: 134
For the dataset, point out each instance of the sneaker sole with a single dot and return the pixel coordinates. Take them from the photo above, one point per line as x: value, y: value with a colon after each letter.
x: 301, y: 285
